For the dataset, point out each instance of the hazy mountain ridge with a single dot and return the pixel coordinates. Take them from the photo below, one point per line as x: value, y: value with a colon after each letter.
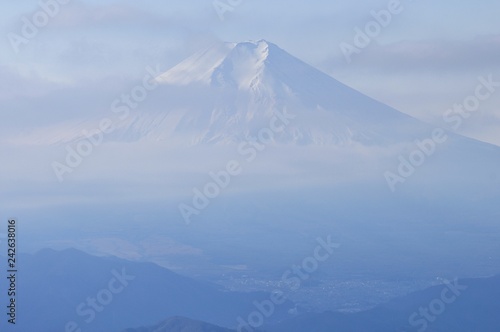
x: 58, y: 287
x: 57, y: 283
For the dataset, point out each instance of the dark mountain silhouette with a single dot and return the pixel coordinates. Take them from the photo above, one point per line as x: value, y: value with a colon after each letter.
x: 66, y: 290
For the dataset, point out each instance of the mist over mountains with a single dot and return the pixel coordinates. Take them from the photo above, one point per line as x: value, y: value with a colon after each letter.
x: 269, y: 154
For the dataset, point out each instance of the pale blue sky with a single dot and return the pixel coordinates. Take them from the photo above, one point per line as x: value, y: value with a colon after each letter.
x: 426, y: 59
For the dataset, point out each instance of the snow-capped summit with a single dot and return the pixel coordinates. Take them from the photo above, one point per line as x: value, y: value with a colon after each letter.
x: 231, y: 91
x: 250, y: 81
x: 227, y: 64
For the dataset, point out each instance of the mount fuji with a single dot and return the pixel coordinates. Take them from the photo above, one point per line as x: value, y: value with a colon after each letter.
x: 230, y: 91
x: 255, y: 92
x: 250, y: 81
